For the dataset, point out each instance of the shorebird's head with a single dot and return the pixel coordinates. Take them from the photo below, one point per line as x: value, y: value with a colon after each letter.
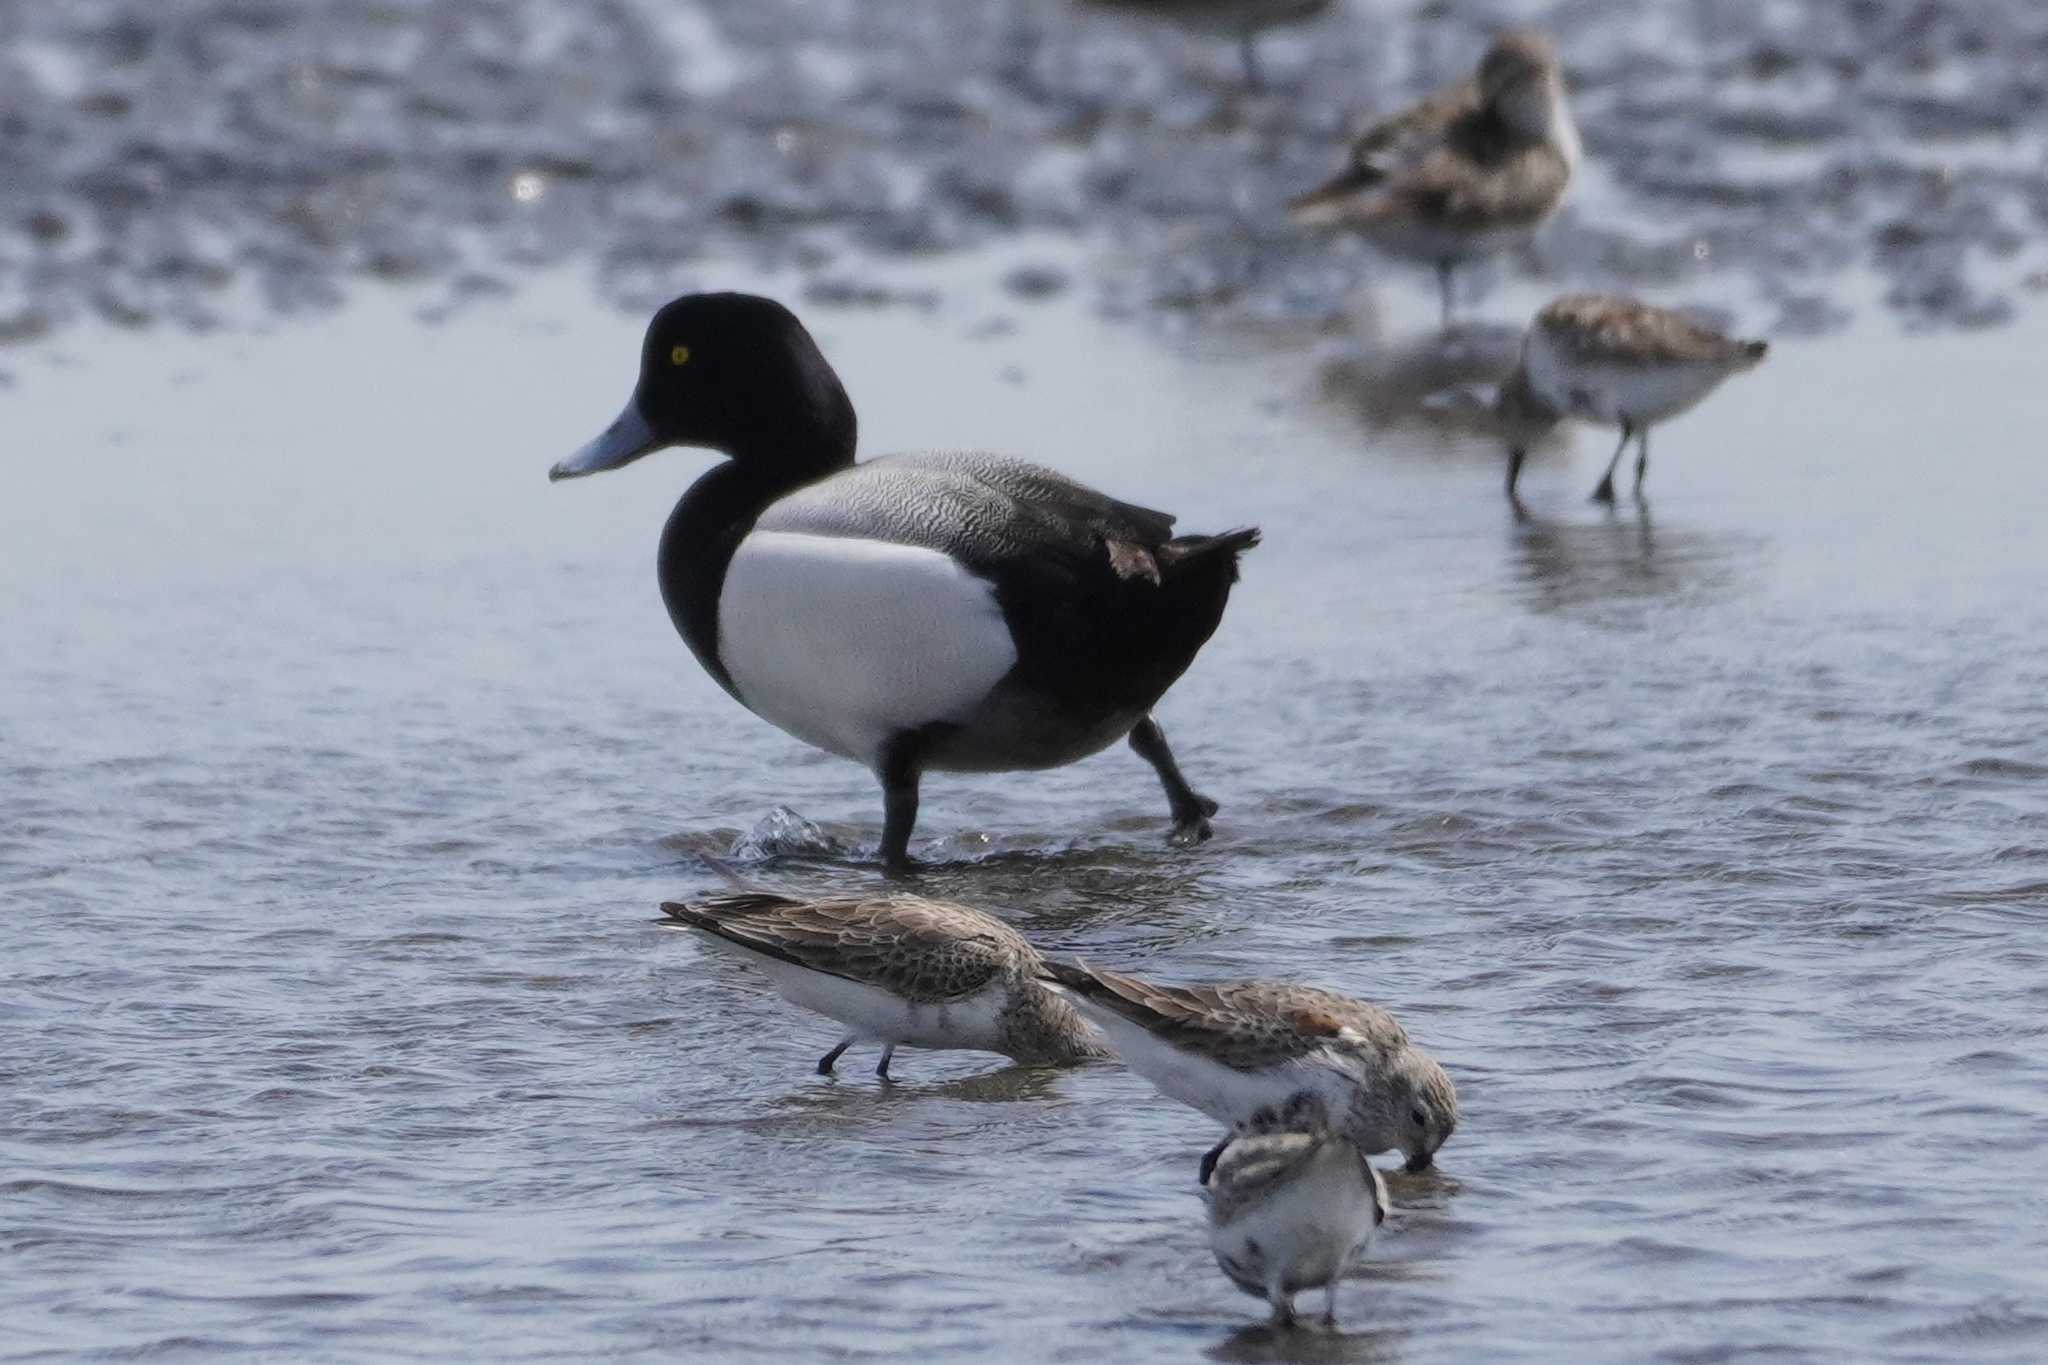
x: 1520, y: 80
x: 1415, y: 1109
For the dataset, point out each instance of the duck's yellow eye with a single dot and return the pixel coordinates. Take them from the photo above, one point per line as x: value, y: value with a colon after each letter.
x: 679, y: 355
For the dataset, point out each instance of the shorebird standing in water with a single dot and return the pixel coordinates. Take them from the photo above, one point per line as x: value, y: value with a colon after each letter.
x: 1616, y: 361
x: 1242, y: 19
x: 901, y: 971
x: 1231, y: 1048
x: 1470, y: 171
x: 1292, y: 1206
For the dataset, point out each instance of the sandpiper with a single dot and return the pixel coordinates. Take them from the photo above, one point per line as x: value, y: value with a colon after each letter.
x: 1472, y: 170
x: 1616, y: 361
x: 1231, y: 1048
x: 1242, y: 19
x: 901, y: 971
x: 1292, y: 1206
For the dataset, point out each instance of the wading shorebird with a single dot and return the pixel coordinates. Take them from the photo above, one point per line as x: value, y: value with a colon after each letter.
x: 1470, y: 171
x: 1232, y: 1048
x: 1292, y: 1206
x: 955, y: 611
x: 1244, y: 20
x: 1615, y: 361
x: 900, y: 971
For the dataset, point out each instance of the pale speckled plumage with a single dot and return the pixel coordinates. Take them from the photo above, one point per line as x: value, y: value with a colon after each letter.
x: 1617, y: 361
x: 1230, y: 1048
x: 1292, y: 1205
x: 1472, y: 169
x: 927, y: 956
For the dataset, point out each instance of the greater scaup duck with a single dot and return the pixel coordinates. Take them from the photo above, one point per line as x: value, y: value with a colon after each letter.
x: 1616, y: 361
x: 1472, y: 170
x: 901, y: 971
x: 953, y: 610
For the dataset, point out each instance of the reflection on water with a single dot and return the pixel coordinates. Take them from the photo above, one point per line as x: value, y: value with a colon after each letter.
x: 1433, y: 384
x: 1621, y: 557
x: 1309, y: 1343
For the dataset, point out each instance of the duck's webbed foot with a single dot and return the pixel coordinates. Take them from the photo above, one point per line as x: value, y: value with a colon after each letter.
x: 1189, y: 808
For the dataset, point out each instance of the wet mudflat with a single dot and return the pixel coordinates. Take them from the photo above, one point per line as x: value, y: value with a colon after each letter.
x: 342, y: 761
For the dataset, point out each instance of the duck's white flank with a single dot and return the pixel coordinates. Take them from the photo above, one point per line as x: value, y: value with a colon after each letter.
x: 845, y: 642
x: 871, y: 1014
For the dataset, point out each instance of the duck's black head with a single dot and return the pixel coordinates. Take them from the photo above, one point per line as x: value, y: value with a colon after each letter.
x: 734, y: 373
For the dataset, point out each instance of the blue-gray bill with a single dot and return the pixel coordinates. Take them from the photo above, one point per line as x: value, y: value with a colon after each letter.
x: 624, y: 441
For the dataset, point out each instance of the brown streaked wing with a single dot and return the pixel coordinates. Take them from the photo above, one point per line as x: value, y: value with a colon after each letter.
x: 923, y: 950
x: 1245, y: 1025
x: 1610, y: 329
x: 1404, y: 138
x: 1452, y: 191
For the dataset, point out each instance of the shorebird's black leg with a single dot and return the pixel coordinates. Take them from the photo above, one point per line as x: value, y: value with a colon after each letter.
x: 1515, y: 457
x: 1330, y: 1304
x: 1191, y: 809
x: 1605, y: 492
x: 1444, y: 268
x: 1248, y: 49
x: 882, y: 1067
x: 825, y: 1063
x: 1642, y: 460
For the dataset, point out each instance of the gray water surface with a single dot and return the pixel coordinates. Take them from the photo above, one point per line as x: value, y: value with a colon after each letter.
x: 343, y: 762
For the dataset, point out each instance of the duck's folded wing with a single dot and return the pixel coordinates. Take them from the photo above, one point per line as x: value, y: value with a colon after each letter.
x: 920, y: 950
x: 983, y: 510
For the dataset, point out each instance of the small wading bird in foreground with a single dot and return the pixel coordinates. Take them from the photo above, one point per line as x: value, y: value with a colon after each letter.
x: 1232, y: 1048
x: 1616, y: 361
x: 954, y: 611
x: 1468, y: 172
x: 1292, y: 1205
x: 900, y: 971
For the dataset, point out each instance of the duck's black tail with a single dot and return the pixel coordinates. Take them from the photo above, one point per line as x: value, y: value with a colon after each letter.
x: 1186, y: 554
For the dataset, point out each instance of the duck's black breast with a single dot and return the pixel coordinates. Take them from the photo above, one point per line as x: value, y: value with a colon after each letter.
x: 697, y: 546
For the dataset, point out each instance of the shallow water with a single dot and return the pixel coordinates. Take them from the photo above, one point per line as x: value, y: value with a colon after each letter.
x: 344, y: 761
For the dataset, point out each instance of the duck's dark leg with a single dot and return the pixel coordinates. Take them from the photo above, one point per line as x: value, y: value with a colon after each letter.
x: 1191, y: 809
x: 899, y: 770
x: 1605, y: 492
x: 882, y: 1067
x: 1642, y: 460
x: 825, y: 1063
